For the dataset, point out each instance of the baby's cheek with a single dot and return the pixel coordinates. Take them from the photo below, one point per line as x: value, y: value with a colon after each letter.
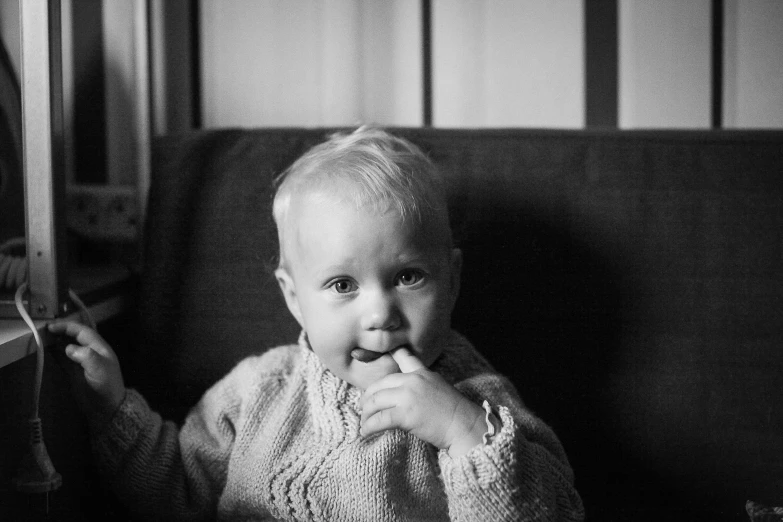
x: 332, y: 342
x: 433, y: 337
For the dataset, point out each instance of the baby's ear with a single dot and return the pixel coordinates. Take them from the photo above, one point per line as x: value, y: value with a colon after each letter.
x: 456, y: 274
x: 289, y: 293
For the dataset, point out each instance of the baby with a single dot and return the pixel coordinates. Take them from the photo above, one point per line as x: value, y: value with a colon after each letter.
x: 380, y: 412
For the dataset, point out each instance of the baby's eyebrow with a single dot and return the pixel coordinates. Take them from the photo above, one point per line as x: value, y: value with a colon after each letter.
x: 331, y: 271
x: 416, y: 256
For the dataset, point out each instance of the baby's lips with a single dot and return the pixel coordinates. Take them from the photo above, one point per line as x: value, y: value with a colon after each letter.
x: 362, y: 355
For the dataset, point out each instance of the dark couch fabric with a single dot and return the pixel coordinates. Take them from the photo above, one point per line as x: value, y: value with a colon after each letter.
x: 628, y: 282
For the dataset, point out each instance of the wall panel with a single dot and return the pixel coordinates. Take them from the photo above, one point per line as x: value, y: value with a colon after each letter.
x: 664, y: 64
x: 299, y: 62
x: 508, y: 63
x: 753, y: 59
x: 515, y: 63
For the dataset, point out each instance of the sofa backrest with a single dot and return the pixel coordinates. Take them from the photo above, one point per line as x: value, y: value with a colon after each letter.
x: 629, y: 283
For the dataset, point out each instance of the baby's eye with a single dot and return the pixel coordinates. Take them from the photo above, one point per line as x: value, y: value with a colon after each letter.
x: 343, y: 286
x: 409, y: 277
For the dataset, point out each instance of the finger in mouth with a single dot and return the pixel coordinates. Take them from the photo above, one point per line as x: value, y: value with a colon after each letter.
x: 364, y: 355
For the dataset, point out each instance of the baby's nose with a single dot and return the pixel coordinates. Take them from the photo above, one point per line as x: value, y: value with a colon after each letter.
x: 381, y: 313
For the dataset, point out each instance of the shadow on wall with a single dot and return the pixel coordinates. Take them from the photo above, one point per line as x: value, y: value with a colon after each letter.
x: 549, y: 311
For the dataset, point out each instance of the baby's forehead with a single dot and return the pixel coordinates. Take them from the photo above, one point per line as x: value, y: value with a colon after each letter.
x: 311, y: 207
x: 326, y: 200
x: 320, y: 210
x: 311, y: 215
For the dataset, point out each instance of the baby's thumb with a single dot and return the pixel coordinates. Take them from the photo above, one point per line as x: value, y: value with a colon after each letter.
x: 82, y: 355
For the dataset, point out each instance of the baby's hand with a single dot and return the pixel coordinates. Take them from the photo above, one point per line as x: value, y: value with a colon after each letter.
x: 423, y: 403
x: 99, y: 388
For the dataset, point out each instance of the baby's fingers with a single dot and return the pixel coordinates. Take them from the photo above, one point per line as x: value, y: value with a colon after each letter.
x: 378, y: 401
x: 84, y: 335
x: 93, y: 363
x: 70, y: 328
x: 80, y: 354
x: 381, y: 420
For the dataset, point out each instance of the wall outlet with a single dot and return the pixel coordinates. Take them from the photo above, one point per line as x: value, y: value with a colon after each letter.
x: 104, y: 212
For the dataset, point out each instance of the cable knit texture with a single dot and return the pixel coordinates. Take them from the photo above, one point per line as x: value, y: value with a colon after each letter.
x: 278, y: 439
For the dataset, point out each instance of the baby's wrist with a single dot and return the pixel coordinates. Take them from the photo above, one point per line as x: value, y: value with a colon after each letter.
x: 472, y: 435
x: 485, y: 426
x: 103, y: 413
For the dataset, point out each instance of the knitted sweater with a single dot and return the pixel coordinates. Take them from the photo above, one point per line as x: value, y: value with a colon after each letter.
x: 278, y: 439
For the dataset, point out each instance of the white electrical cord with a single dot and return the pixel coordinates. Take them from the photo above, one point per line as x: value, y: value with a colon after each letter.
x: 39, y: 353
x: 36, y: 471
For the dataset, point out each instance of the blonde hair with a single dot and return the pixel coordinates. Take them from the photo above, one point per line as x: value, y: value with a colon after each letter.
x: 375, y: 169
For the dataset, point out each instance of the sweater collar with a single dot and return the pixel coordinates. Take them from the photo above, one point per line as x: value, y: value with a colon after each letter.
x: 327, y: 385
x: 453, y: 353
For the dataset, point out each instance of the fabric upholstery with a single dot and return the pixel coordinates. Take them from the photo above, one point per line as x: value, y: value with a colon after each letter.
x: 633, y: 279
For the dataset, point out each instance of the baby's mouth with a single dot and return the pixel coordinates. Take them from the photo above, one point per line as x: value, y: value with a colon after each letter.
x: 366, y: 356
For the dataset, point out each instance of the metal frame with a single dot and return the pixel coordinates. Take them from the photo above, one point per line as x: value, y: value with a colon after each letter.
x: 44, y: 146
x: 43, y: 157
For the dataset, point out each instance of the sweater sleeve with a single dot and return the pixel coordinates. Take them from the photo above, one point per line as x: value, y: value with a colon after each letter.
x: 521, y: 474
x: 160, y: 472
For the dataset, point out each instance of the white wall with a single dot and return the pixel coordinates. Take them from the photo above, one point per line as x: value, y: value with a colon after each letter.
x: 496, y: 62
x: 664, y: 63
x: 341, y: 62
x: 306, y: 63
x: 508, y: 63
x: 753, y: 61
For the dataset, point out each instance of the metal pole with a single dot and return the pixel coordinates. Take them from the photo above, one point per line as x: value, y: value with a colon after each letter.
x: 42, y: 130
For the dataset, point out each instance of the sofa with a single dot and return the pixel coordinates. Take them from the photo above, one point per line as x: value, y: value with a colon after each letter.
x: 628, y: 282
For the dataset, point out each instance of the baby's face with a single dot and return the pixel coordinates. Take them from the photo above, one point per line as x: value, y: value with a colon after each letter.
x: 362, y: 283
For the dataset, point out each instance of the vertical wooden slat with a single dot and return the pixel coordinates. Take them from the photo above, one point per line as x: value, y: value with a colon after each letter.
x: 89, y: 95
x: 195, y: 63
x: 159, y: 78
x: 717, y: 64
x: 143, y: 105
x: 601, y: 63
x: 426, y: 49
x: 66, y: 41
